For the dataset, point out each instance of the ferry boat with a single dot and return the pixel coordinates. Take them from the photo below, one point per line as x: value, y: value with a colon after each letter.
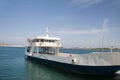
x: 45, y: 50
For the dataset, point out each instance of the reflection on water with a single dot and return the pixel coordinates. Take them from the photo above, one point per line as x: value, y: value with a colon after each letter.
x: 37, y: 71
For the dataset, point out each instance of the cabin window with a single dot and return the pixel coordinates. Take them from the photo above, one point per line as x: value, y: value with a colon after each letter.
x: 36, y: 40
x: 37, y: 50
x: 28, y: 49
x: 42, y: 40
x: 52, y: 41
x: 49, y: 41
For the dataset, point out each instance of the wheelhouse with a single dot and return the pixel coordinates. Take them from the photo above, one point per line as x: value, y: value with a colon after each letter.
x: 43, y: 45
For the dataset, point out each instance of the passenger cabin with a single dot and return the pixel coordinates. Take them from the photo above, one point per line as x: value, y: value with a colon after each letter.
x: 43, y: 45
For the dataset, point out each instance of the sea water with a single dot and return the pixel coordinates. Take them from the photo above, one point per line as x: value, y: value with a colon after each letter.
x: 14, y: 66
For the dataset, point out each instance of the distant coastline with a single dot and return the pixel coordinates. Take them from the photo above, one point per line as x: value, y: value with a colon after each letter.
x: 7, y: 45
x: 3, y: 44
x: 93, y: 48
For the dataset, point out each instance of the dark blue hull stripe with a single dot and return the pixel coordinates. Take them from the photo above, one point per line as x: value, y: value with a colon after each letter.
x: 81, y: 69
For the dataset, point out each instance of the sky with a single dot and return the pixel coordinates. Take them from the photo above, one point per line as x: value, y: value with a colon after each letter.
x: 79, y: 23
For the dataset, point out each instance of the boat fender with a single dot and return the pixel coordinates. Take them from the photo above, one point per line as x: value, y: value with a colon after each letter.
x: 74, y: 60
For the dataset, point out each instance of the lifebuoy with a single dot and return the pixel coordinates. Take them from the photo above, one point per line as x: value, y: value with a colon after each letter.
x: 70, y: 55
x: 40, y: 43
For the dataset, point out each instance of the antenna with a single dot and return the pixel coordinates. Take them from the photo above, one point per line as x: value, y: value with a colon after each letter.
x: 46, y: 31
x: 103, y: 30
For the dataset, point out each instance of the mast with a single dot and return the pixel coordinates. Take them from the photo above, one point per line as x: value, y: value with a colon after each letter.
x: 103, y: 42
x: 46, y: 32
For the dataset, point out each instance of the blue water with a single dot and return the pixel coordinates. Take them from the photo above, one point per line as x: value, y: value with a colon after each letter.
x: 14, y: 66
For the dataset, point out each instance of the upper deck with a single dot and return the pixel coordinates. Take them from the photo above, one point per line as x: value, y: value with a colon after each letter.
x: 45, y: 42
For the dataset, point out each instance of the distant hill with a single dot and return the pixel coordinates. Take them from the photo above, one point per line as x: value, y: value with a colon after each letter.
x: 3, y: 44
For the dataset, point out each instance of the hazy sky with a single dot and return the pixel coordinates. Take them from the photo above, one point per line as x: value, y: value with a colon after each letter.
x: 79, y: 23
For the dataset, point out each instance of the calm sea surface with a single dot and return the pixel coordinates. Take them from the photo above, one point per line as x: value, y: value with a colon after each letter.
x: 14, y: 66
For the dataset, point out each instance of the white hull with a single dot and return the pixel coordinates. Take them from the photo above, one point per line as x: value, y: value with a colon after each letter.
x: 87, y: 64
x: 92, y: 59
